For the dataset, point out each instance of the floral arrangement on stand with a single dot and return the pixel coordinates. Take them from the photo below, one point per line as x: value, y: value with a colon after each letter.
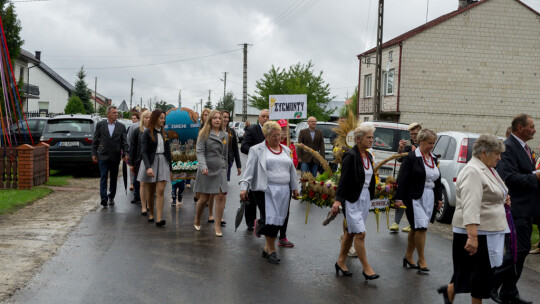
x: 184, y: 159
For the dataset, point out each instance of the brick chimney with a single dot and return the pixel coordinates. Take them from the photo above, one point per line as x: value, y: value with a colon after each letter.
x: 38, y: 55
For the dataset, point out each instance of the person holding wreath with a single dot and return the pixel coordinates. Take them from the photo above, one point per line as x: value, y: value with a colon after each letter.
x: 271, y: 176
x: 355, y: 190
x: 212, y: 157
x: 420, y: 190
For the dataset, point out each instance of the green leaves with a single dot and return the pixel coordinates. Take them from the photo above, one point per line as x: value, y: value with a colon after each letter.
x: 297, y: 79
x: 74, y: 106
x: 82, y: 91
x: 227, y: 103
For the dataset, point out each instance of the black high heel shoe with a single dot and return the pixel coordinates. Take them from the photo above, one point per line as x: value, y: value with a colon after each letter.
x: 407, y: 263
x: 150, y: 220
x: 345, y: 272
x: 444, y: 291
x: 160, y: 223
x: 370, y: 277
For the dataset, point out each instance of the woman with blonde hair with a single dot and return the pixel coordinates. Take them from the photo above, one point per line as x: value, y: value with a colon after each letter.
x: 135, y: 155
x: 212, y: 154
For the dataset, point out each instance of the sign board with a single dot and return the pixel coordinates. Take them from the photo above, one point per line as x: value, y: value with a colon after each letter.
x: 350, y: 139
x: 288, y: 107
x: 379, y: 204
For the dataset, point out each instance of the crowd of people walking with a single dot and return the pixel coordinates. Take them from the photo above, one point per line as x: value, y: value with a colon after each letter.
x: 497, y: 191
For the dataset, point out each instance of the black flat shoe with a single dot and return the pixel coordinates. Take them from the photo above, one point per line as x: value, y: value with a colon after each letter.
x: 407, y: 263
x: 223, y: 223
x: 264, y: 254
x: 160, y: 223
x: 211, y: 221
x: 370, y: 277
x: 150, y: 220
x: 272, y: 258
x: 345, y: 272
x: 444, y: 291
x: 144, y: 213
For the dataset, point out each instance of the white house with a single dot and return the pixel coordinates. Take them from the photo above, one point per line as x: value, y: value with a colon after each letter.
x: 471, y: 70
x: 44, y: 91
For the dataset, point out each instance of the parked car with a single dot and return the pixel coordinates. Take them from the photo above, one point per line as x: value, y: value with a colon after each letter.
x: 240, y: 131
x: 386, y: 143
x: 454, y: 150
x: 292, y: 130
x: 70, y: 139
x: 19, y: 131
x: 328, y: 134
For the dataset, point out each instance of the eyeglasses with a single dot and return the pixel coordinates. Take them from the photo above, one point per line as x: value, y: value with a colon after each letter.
x: 274, y: 136
x: 412, y: 134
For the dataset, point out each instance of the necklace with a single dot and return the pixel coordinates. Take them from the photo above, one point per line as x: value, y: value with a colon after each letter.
x: 276, y: 153
x: 426, y: 162
x: 364, y: 163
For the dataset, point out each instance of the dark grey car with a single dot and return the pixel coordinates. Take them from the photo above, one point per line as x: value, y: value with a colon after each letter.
x: 20, y: 134
x: 70, y: 139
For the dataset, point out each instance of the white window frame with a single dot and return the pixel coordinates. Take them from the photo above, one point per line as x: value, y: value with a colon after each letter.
x: 391, y: 55
x: 368, y: 85
x: 368, y: 62
x: 386, y: 80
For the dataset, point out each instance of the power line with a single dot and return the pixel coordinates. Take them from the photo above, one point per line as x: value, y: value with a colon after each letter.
x: 149, y: 64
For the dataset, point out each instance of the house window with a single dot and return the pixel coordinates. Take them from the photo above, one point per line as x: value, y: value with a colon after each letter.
x: 21, y: 74
x: 366, y: 118
x: 368, y: 61
x: 388, y: 82
x: 367, y: 86
x: 391, y: 55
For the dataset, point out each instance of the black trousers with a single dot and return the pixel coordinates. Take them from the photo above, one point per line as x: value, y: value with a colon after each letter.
x: 250, y: 210
x: 508, y: 274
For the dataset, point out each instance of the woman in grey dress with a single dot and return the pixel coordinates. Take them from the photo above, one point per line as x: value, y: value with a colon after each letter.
x: 212, y: 154
x: 156, y: 172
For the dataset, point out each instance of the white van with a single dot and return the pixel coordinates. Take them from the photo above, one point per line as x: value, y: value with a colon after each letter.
x: 386, y: 142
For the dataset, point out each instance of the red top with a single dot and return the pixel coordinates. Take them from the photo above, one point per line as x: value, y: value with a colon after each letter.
x: 293, y: 152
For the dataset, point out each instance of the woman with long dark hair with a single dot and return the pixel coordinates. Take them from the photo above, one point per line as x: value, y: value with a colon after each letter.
x: 156, y: 172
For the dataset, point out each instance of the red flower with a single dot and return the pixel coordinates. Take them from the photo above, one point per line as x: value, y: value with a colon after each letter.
x: 325, y: 196
x: 335, y: 187
x: 314, y: 182
x: 322, y: 183
x: 311, y: 193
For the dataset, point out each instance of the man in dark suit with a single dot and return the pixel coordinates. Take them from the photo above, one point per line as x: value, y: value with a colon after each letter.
x: 313, y: 138
x: 108, y: 145
x: 253, y: 135
x: 517, y: 169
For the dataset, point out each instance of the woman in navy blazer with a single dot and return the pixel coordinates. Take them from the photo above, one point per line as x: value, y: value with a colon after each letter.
x: 354, y: 193
x: 419, y: 189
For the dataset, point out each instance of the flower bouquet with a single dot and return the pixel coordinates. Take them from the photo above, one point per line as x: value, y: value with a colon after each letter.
x: 184, y: 160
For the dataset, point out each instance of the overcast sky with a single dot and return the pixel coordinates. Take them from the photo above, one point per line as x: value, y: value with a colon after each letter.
x: 168, y: 45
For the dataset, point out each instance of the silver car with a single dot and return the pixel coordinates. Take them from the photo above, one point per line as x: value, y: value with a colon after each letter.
x: 328, y: 135
x: 454, y: 150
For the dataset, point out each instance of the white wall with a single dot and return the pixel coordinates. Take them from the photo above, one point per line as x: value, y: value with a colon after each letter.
x: 49, y: 91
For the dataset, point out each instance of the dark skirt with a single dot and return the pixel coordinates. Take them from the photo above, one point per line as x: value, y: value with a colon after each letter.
x: 472, y: 273
x: 268, y: 230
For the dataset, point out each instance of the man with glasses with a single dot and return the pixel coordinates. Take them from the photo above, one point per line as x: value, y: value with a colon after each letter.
x: 406, y: 146
x: 313, y: 138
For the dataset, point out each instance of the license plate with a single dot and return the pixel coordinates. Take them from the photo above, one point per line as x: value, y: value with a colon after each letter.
x: 68, y: 144
x: 328, y: 147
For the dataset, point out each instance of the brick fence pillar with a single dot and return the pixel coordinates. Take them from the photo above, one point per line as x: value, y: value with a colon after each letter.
x: 26, y: 166
x: 46, y: 157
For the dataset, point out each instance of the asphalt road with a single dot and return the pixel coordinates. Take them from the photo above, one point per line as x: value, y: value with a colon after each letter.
x: 116, y: 256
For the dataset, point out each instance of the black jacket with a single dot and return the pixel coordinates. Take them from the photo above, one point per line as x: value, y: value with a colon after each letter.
x: 411, y: 181
x: 149, y: 147
x: 234, y: 155
x: 515, y: 169
x: 252, y: 135
x: 106, y: 147
x: 135, y: 151
x: 353, y: 177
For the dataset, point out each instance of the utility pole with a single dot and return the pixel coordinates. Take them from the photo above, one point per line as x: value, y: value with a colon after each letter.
x: 179, y: 99
x: 209, y: 92
x: 224, y: 86
x: 201, y: 107
x: 378, y: 69
x: 244, y: 101
x: 141, y: 103
x: 95, y: 95
x: 131, y: 95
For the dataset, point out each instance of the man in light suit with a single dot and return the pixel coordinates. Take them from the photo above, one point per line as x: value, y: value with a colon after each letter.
x: 517, y: 169
x: 108, y: 145
x: 253, y: 135
x: 313, y: 138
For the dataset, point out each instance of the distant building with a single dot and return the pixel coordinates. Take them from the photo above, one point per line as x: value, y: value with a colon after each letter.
x: 252, y: 113
x: 472, y: 69
x: 44, y: 91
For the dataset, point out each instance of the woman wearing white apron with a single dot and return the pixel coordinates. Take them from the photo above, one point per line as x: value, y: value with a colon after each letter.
x: 271, y: 175
x: 419, y: 189
x: 354, y: 193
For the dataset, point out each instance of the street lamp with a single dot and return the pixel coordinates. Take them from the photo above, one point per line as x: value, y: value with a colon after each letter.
x: 28, y: 85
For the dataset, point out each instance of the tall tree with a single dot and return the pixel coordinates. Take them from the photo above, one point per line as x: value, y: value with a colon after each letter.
x: 12, y: 28
x: 74, y: 106
x: 209, y: 105
x: 82, y: 91
x: 163, y: 106
x: 297, y: 79
x: 352, y: 106
x: 226, y: 103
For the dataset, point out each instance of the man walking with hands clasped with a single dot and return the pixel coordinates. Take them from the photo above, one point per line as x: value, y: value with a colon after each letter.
x: 313, y: 138
x: 108, y: 146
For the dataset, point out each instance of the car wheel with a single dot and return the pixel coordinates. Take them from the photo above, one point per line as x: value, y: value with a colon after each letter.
x: 445, y: 214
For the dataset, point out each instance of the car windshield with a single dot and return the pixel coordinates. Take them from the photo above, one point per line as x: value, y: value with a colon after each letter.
x: 326, y: 130
x: 70, y: 126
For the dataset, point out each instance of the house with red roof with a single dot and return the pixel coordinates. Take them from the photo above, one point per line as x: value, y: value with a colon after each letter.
x: 472, y: 69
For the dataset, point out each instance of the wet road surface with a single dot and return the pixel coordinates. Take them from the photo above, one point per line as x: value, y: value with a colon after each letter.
x: 116, y: 256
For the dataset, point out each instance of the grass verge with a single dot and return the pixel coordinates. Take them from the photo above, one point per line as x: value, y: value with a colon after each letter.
x: 58, y: 178
x: 12, y: 199
x: 534, y: 238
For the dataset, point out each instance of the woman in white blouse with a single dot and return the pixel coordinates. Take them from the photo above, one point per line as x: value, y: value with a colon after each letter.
x: 479, y: 222
x: 271, y: 175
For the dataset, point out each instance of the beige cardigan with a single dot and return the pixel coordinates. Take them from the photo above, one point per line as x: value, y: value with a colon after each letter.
x: 480, y: 198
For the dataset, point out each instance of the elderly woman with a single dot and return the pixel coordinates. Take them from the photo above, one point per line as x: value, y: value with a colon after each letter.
x: 354, y: 193
x: 479, y: 222
x: 419, y: 189
x: 271, y: 175
x: 212, y: 153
